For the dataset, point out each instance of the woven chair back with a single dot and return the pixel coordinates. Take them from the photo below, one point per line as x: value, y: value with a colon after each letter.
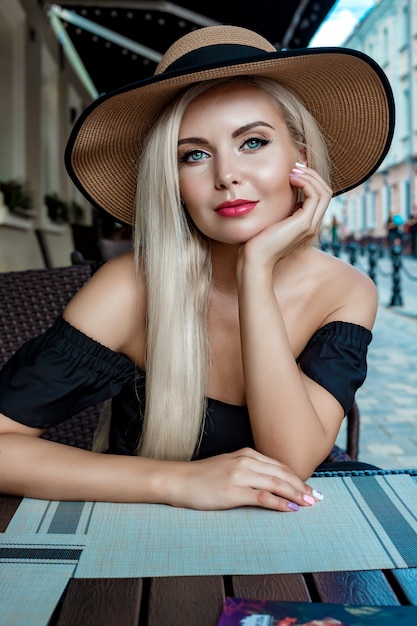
x: 30, y: 301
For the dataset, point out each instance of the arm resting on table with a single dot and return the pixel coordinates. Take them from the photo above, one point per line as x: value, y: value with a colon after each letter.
x: 37, y: 468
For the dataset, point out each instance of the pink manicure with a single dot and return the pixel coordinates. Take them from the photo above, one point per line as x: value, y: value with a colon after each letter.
x: 309, y: 499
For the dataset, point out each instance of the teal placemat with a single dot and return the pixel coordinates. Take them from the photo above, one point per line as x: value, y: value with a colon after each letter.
x: 365, y: 522
x: 35, y: 569
x: 31, y: 589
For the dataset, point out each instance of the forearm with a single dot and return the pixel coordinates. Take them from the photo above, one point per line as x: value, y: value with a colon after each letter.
x: 42, y: 469
x: 284, y: 422
x: 37, y: 468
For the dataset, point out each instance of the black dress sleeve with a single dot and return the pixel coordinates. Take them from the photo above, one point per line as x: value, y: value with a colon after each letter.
x: 335, y: 358
x: 58, y: 374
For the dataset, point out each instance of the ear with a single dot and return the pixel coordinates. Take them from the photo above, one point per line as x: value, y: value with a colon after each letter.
x: 302, y: 157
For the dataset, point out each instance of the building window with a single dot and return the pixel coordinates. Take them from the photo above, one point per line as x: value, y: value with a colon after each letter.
x: 405, y: 26
x: 370, y: 210
x: 362, y: 214
x: 405, y: 208
x: 385, y: 46
x: 387, y: 201
x: 351, y: 215
x: 403, y: 119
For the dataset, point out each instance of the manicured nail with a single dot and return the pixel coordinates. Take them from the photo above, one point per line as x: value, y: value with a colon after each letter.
x: 318, y: 494
x: 309, y: 499
x: 298, y: 164
x: 293, y: 506
x: 296, y: 171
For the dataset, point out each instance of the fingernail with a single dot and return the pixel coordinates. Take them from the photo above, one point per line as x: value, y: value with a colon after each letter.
x: 295, y: 170
x: 298, y: 164
x: 293, y: 506
x: 309, y: 499
x: 318, y: 494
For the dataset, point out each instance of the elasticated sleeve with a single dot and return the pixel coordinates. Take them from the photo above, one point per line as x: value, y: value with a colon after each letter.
x: 335, y: 358
x: 58, y: 374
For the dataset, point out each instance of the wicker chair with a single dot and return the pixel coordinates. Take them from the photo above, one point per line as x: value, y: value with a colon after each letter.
x: 30, y: 300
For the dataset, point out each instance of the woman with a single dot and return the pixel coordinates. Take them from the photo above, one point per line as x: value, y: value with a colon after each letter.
x: 253, y: 341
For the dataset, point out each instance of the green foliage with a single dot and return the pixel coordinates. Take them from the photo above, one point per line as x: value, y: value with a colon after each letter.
x: 62, y: 212
x: 57, y: 208
x: 17, y: 196
x: 76, y: 213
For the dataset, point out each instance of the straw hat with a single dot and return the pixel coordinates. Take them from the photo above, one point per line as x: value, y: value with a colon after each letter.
x: 345, y: 90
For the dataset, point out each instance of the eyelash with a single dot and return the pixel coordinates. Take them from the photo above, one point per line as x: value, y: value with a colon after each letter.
x: 260, y: 140
x: 187, y: 155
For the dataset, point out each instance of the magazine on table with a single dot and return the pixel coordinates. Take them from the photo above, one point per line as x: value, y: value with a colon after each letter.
x: 245, y: 612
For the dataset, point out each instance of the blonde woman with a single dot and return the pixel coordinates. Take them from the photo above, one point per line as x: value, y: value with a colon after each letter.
x: 231, y: 346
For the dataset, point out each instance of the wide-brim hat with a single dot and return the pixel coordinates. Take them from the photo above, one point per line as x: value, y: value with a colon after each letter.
x: 345, y: 90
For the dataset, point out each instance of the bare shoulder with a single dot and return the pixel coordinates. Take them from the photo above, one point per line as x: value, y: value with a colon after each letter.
x: 352, y: 295
x: 110, y: 308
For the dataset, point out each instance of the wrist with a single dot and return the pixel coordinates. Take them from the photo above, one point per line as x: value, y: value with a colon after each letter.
x: 253, y: 271
x: 166, y: 484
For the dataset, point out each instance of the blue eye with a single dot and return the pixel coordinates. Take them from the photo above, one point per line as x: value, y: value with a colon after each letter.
x: 193, y: 156
x: 255, y: 142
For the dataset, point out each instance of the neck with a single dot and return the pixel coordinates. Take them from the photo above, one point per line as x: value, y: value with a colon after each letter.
x: 224, y: 258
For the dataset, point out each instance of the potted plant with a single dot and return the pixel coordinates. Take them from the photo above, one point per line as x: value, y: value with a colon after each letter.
x: 76, y: 213
x: 62, y: 212
x: 57, y: 208
x: 17, y: 197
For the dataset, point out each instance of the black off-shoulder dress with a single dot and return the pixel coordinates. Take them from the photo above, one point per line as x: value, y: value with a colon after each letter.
x: 63, y: 371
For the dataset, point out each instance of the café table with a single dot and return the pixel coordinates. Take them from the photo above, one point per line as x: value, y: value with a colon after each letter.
x: 198, y: 600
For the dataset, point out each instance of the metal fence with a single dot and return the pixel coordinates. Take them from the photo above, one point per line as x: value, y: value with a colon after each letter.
x: 376, y: 258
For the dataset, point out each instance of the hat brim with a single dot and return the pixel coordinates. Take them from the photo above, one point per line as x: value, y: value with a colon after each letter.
x: 346, y: 92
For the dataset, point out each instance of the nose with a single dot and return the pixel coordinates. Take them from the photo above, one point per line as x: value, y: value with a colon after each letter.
x: 227, y: 173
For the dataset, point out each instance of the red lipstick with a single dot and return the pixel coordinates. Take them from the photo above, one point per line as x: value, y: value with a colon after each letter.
x: 235, y: 208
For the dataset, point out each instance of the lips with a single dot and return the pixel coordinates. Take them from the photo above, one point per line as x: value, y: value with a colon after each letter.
x: 236, y: 208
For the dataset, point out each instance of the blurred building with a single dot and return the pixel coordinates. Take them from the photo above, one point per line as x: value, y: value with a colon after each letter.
x: 55, y: 58
x: 41, y: 96
x: 388, y: 34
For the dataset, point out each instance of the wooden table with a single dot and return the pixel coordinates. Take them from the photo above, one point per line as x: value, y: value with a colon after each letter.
x: 197, y: 600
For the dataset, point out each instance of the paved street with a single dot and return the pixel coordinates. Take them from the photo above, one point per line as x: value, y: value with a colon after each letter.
x: 388, y: 399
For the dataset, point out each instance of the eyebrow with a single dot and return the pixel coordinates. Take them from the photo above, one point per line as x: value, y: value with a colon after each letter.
x: 236, y: 133
x: 246, y: 127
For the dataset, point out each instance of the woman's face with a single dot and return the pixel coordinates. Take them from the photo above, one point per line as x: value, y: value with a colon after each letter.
x: 235, y: 156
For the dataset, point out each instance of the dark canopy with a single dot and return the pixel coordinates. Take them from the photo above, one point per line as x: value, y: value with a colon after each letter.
x: 137, y: 32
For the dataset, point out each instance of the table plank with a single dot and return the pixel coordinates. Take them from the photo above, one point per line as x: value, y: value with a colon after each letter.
x: 289, y: 587
x: 180, y: 600
x: 363, y: 587
x: 98, y: 601
x: 407, y: 579
x: 8, y: 507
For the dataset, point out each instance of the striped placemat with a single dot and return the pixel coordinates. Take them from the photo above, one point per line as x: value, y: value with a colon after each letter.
x: 364, y: 522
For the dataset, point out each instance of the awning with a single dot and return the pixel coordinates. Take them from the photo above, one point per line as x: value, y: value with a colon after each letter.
x: 115, y: 42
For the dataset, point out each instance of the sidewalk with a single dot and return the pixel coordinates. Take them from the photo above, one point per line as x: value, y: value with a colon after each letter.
x: 388, y: 399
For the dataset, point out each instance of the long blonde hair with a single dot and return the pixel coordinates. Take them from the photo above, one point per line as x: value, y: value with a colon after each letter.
x: 176, y: 262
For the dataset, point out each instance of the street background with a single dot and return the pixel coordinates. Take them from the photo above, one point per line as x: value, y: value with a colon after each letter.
x: 388, y: 399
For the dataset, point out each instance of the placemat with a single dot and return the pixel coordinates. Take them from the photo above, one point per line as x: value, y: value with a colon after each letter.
x: 32, y: 580
x: 364, y: 522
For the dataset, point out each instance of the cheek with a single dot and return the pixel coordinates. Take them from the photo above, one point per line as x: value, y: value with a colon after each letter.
x: 190, y: 187
x: 190, y: 195
x: 280, y: 195
x: 275, y: 181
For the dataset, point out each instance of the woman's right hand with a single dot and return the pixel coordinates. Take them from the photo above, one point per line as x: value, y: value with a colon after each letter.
x: 241, y: 478
x: 54, y: 471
